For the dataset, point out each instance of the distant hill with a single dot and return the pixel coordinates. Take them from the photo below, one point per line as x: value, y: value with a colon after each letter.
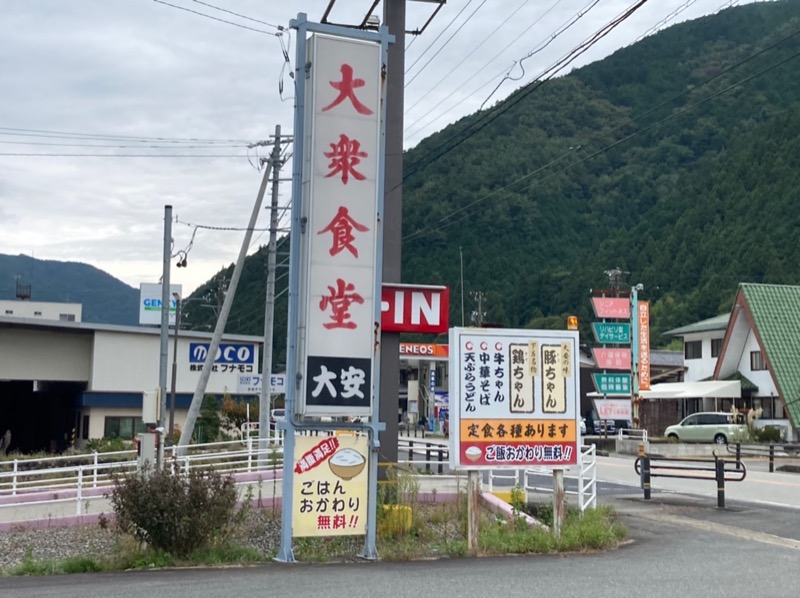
x: 105, y: 299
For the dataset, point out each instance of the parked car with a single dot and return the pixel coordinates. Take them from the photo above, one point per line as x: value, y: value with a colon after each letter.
x: 714, y: 426
x: 583, y: 426
x: 604, y: 426
x: 275, y: 416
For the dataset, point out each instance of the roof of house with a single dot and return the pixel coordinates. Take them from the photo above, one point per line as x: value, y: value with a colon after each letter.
x: 775, y: 311
x: 719, y: 322
x: 663, y: 358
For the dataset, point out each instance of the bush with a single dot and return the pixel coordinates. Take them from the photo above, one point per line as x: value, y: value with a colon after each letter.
x: 766, y: 434
x: 176, y: 513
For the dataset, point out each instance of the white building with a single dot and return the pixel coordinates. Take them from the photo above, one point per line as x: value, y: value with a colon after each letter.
x: 60, y: 379
x: 41, y: 310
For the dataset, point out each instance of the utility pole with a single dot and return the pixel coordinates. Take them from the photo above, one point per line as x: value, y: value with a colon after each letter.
x: 202, y: 383
x: 171, y: 429
x: 162, y: 363
x: 265, y: 402
x: 394, y: 17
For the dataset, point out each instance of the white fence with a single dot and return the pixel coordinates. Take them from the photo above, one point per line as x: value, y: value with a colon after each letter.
x: 584, y: 475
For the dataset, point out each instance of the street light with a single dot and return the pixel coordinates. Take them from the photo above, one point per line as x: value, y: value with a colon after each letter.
x: 179, y: 303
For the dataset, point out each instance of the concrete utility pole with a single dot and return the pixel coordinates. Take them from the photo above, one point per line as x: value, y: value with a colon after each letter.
x: 162, y: 363
x: 394, y: 17
x: 202, y: 383
x: 265, y: 398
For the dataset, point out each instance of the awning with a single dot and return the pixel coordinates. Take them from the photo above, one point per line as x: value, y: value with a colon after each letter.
x: 718, y: 389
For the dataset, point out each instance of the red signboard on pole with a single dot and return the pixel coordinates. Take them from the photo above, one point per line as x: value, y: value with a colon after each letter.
x: 415, y: 308
x: 612, y: 307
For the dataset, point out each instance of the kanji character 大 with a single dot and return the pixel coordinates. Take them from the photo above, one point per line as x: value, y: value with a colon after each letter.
x: 324, y: 380
x: 339, y: 300
x: 345, y: 155
x: 347, y: 87
x: 342, y: 227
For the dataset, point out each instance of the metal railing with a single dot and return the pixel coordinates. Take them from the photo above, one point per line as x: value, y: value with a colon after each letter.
x: 584, y: 475
x: 764, y: 451
x: 633, y: 434
x: 83, y: 477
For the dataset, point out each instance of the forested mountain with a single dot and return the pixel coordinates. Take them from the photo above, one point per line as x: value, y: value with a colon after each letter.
x: 105, y: 299
x: 676, y: 159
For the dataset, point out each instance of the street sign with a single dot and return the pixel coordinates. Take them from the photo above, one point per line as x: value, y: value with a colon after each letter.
x: 612, y: 307
x: 415, y: 308
x: 614, y: 358
x: 612, y: 384
x: 612, y: 332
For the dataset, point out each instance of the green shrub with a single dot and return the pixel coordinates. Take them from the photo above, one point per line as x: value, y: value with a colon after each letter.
x: 177, y: 513
x: 770, y: 434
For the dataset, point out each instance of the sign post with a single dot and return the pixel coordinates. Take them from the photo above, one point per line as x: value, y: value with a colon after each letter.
x: 336, y: 254
x: 514, y: 400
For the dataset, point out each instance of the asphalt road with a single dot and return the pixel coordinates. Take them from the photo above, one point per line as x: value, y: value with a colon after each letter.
x: 666, y: 557
x: 679, y: 544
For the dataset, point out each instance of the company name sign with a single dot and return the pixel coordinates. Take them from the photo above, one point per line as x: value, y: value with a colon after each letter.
x: 230, y: 353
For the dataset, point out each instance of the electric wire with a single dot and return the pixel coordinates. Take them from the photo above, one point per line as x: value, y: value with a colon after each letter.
x: 444, y: 45
x: 202, y: 14
x: 435, y: 39
x: 492, y: 114
x: 241, y: 16
x: 105, y: 137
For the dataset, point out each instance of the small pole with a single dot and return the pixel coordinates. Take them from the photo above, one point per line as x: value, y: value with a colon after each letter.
x: 473, y: 512
x: 644, y: 471
x: 738, y: 454
x: 719, y: 466
x: 558, y: 501
x: 771, y: 458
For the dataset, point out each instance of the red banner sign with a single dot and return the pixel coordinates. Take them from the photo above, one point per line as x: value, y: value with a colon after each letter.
x: 612, y: 307
x: 415, y: 308
x: 616, y: 358
x: 643, y: 323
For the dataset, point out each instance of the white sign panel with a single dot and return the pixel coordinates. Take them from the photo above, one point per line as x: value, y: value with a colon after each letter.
x: 150, y: 303
x: 339, y: 246
x: 251, y: 384
x: 514, y: 398
x: 613, y: 409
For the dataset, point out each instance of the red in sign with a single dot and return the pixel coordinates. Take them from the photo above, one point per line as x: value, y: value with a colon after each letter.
x: 347, y: 87
x: 316, y: 455
x: 408, y: 308
x: 345, y: 156
x: 339, y: 300
x: 342, y: 227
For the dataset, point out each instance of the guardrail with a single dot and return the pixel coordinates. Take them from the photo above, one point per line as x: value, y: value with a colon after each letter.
x: 694, y: 469
x: 632, y: 433
x: 436, y: 455
x: 771, y: 451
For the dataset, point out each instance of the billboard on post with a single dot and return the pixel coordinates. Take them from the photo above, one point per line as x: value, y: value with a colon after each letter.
x: 339, y: 293
x: 150, y: 303
x: 514, y: 398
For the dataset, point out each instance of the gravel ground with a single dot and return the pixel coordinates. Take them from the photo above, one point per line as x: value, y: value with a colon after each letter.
x: 262, y: 532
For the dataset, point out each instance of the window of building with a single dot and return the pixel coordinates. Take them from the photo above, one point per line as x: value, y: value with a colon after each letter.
x: 716, y: 347
x: 693, y: 349
x: 9, y: 312
x: 37, y: 313
x: 66, y: 317
x: 123, y: 427
x: 757, y: 361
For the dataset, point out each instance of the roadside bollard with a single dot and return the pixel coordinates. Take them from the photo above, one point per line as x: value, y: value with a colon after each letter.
x: 644, y: 474
x: 771, y: 458
x: 719, y: 467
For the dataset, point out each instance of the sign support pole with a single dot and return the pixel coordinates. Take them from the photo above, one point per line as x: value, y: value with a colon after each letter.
x: 558, y: 501
x: 635, y: 355
x: 473, y: 510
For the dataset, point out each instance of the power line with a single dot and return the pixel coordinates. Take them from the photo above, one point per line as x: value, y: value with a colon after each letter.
x: 241, y: 16
x: 30, y: 155
x: 74, y: 135
x: 475, y: 49
x: 490, y: 61
x: 202, y: 14
x: 3, y: 141
x: 492, y: 114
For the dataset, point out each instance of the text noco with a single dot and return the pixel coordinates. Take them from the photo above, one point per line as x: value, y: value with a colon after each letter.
x: 226, y: 353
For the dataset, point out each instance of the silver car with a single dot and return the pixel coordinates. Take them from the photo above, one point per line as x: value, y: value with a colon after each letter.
x: 714, y: 426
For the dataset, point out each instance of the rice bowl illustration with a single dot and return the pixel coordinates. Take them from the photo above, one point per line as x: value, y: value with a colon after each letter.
x: 347, y: 463
x: 473, y: 453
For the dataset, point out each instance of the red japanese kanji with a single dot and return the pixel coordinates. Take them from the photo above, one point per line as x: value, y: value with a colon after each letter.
x: 339, y: 300
x: 345, y: 155
x: 346, y: 89
x: 342, y: 227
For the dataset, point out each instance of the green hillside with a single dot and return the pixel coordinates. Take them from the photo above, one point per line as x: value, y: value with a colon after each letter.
x: 675, y: 159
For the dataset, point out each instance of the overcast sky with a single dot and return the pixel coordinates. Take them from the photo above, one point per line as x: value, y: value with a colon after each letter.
x: 138, y: 77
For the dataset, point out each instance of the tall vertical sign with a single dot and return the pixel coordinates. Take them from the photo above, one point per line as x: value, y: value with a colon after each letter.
x: 643, y: 340
x: 340, y: 284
